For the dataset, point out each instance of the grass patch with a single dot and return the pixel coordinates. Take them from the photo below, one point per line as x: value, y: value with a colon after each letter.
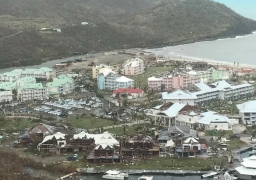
x: 89, y: 122
x: 218, y: 133
x: 157, y: 163
x: 141, y: 80
x: 235, y: 144
x: 11, y: 125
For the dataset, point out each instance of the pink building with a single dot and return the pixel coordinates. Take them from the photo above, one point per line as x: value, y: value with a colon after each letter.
x: 133, y: 67
x: 172, y: 82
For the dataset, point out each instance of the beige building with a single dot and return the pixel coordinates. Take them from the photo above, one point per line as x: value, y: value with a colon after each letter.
x: 101, y: 68
x: 133, y: 67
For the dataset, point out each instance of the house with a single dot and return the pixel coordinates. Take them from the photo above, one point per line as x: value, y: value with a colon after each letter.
x: 130, y: 92
x: 211, y: 120
x: 55, y: 143
x: 61, y: 85
x: 133, y: 67
x: 189, y: 147
x: 37, y: 133
x: 8, y: 86
x: 247, y: 112
x: 80, y: 142
x: 247, y: 170
x: 139, y: 145
x: 34, y: 91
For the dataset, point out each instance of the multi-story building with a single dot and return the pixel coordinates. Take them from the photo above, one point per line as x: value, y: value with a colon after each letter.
x: 25, y: 80
x: 109, y: 80
x: 11, y: 76
x: 5, y: 96
x: 61, y: 85
x: 247, y: 112
x: 221, y: 90
x: 211, y: 75
x: 96, y: 70
x: 175, y: 81
x: 42, y: 73
x: 34, y: 91
x: 8, y: 86
x: 133, y: 67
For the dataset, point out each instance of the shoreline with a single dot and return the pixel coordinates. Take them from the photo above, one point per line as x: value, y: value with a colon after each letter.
x: 156, y: 46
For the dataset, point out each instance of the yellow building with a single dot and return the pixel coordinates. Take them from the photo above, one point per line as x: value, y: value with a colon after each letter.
x: 102, y: 67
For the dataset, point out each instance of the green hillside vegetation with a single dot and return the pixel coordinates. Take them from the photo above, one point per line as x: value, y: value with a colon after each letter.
x: 113, y: 24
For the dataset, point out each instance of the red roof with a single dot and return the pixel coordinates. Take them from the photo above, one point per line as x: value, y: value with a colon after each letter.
x: 127, y: 90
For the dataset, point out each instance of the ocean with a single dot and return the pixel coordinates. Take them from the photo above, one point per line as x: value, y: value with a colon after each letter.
x: 241, y: 50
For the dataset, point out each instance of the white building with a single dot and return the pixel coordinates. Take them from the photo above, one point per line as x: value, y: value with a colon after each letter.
x: 247, y: 170
x: 5, y: 96
x: 42, y: 73
x: 247, y: 112
x: 124, y: 82
x: 211, y: 120
x: 11, y: 76
x: 34, y: 91
x: 221, y: 90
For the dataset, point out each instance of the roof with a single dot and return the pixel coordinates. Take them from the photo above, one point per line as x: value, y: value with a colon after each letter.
x: 31, y: 86
x: 179, y: 94
x: 46, y: 69
x: 43, y: 128
x: 103, y: 139
x: 27, y: 79
x: 170, y: 143
x: 212, y: 117
x: 247, y: 107
x: 249, y: 162
x: 221, y: 84
x: 105, y: 72
x: 190, y: 140
x: 173, y: 110
x: 135, y: 62
x: 124, y: 79
x: 81, y: 135
x: 153, y: 78
x: 60, y: 81
x: 128, y: 90
x: 7, y: 85
x: 202, y: 86
x: 246, y: 171
x: 57, y: 136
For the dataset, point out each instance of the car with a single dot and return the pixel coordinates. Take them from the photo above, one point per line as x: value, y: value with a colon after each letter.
x: 72, y: 157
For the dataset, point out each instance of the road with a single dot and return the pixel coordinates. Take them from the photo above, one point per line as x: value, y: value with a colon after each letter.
x: 5, y: 37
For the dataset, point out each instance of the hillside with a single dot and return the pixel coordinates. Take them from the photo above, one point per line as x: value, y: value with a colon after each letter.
x: 113, y: 24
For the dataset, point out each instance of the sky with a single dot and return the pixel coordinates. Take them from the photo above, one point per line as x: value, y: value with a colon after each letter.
x: 246, y: 8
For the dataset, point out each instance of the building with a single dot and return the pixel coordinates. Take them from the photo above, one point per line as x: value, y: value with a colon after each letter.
x: 175, y: 81
x: 11, y: 76
x: 247, y: 112
x: 211, y: 120
x: 219, y: 90
x: 61, y: 85
x: 96, y: 70
x: 25, y: 80
x: 34, y: 91
x: 133, y: 92
x: 5, y: 96
x: 124, y: 82
x: 139, y: 145
x: 189, y: 147
x: 133, y: 67
x: 41, y: 73
x: 247, y: 170
x: 109, y: 80
x: 8, y: 86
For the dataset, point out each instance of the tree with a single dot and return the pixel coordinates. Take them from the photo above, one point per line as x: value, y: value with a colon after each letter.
x: 14, y: 93
x: 162, y: 87
x: 125, y: 102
